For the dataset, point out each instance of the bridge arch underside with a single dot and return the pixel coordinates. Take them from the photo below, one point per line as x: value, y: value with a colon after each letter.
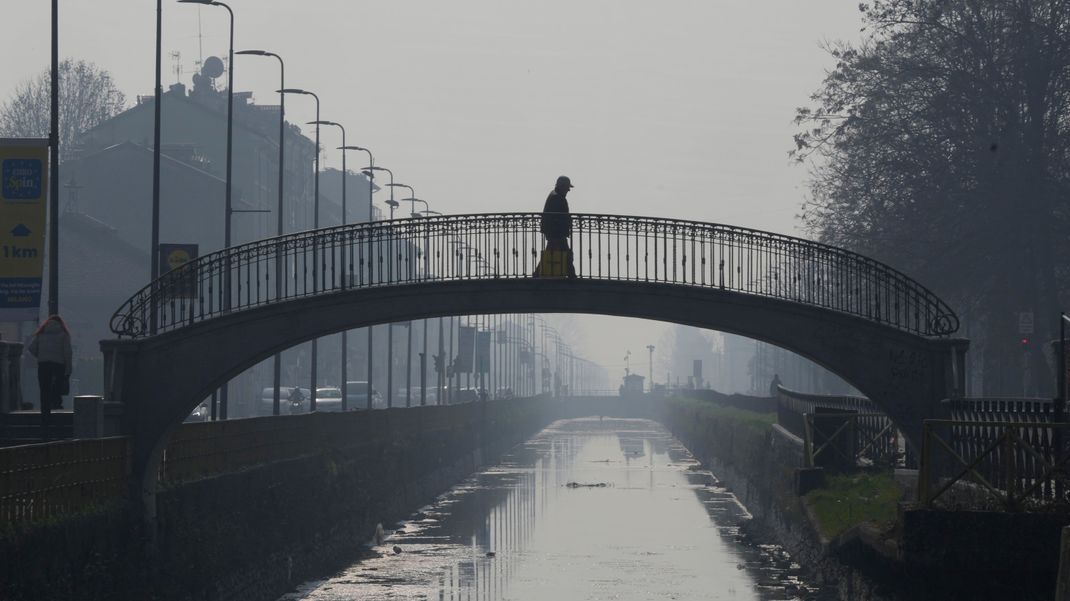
x: 905, y: 374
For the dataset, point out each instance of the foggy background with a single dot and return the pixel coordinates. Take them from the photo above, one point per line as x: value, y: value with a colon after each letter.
x: 678, y: 109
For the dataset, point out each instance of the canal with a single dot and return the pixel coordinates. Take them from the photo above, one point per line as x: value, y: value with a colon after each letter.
x: 587, y: 509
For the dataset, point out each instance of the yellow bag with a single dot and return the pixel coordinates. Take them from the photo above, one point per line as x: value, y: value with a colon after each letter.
x: 552, y: 264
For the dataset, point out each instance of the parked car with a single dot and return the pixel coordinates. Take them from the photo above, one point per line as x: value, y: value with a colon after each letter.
x: 464, y: 395
x: 432, y: 394
x: 357, y: 396
x: 329, y: 398
x: 289, y: 401
x: 200, y: 414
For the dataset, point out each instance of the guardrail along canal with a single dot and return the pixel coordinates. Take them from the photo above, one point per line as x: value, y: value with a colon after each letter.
x: 587, y: 509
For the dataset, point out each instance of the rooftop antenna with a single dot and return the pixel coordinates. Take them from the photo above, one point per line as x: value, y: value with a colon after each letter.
x: 176, y: 66
x: 200, y: 41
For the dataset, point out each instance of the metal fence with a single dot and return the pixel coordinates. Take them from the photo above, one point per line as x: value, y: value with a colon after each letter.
x: 1002, y: 465
x: 42, y: 481
x: 508, y: 245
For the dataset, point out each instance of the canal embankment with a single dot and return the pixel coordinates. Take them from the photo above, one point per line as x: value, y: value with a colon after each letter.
x: 861, y: 532
x: 229, y: 529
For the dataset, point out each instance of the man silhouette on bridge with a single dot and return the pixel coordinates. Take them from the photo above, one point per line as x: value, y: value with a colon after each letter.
x: 556, y: 225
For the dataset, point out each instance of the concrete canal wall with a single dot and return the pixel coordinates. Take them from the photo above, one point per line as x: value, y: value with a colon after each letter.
x: 251, y: 534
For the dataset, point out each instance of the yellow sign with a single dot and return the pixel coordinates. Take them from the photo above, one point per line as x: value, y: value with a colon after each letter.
x: 184, y: 283
x: 23, y: 202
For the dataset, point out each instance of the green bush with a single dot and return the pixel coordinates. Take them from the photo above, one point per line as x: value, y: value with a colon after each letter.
x: 851, y: 499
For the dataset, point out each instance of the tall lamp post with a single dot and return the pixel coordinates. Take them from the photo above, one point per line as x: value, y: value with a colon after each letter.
x: 315, y: 224
x: 408, y: 371
x: 157, y: 92
x: 371, y: 215
x: 277, y: 359
x: 53, y: 170
x: 345, y: 337
x: 393, y: 204
x: 370, y: 172
x: 228, y: 208
x: 423, y: 356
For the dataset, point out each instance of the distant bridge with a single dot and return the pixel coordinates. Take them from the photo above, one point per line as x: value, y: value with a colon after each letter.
x: 187, y: 333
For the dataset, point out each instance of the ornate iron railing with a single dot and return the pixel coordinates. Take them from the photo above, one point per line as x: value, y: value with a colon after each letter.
x: 508, y: 245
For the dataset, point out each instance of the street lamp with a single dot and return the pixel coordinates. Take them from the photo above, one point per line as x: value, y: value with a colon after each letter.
x: 228, y: 208
x: 371, y: 213
x: 408, y: 372
x: 154, y: 253
x: 345, y: 333
x: 370, y: 172
x: 423, y: 357
x: 315, y: 225
x: 412, y: 205
x: 277, y: 362
x: 393, y: 204
x: 53, y: 168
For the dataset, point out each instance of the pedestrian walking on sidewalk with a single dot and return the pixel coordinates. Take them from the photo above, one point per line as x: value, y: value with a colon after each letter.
x: 51, y: 345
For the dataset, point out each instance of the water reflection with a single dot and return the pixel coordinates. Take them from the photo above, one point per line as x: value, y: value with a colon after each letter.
x: 588, y: 509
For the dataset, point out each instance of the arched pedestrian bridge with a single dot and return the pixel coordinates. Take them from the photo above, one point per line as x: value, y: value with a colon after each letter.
x: 182, y: 336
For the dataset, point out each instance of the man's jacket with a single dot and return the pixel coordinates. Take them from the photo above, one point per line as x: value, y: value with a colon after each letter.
x: 556, y: 222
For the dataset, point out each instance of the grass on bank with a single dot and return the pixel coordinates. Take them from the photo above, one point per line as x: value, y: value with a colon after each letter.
x: 851, y: 499
x: 750, y: 419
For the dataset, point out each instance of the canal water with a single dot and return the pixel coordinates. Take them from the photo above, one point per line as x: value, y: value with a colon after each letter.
x: 587, y: 509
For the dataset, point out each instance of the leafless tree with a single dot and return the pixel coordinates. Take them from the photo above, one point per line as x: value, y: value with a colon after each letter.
x: 88, y: 96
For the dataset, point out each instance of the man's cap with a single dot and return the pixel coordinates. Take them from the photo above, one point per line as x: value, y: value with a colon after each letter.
x: 564, y: 181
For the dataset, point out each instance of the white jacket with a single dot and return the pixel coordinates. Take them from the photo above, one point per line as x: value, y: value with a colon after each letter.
x: 52, y: 345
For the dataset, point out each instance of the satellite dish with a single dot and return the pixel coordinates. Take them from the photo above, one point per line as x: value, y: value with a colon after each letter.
x: 213, y: 67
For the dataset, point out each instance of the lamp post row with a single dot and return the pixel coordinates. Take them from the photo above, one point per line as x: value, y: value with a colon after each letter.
x: 229, y: 210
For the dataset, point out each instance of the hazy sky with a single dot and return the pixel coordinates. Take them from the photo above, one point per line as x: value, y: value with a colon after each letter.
x: 675, y: 108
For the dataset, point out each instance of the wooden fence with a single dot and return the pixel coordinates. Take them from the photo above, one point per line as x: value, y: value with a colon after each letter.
x: 42, y: 481
x: 986, y: 464
x: 851, y: 440
x: 793, y: 405
x: 869, y: 434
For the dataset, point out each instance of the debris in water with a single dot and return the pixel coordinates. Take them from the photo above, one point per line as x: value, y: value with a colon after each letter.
x: 585, y: 485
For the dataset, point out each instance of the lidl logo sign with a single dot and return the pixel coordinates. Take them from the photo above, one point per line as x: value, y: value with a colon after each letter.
x: 21, y: 179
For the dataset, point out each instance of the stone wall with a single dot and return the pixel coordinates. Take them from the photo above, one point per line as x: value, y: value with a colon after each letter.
x: 252, y: 535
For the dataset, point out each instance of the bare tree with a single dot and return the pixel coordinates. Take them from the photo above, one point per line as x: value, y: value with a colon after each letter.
x: 87, y: 97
